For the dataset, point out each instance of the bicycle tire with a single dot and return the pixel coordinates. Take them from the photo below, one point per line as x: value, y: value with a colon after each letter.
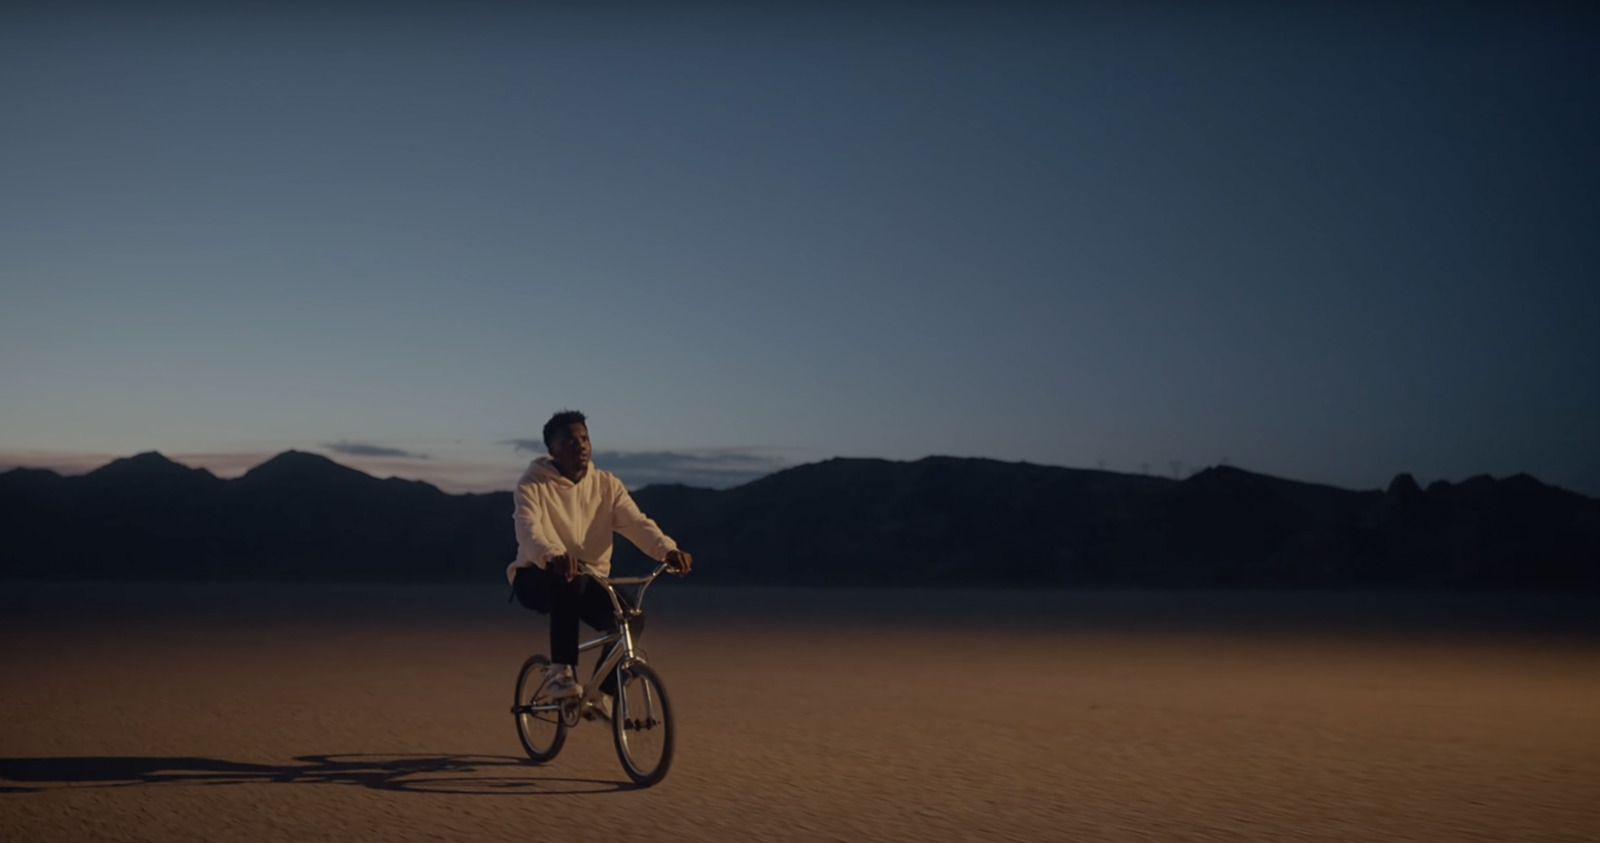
x: 641, y: 724
x: 542, y: 733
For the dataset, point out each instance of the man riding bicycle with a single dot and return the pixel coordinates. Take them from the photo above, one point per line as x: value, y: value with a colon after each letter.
x: 565, y: 511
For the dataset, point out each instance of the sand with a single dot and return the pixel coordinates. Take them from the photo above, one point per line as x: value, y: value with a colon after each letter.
x: 344, y: 717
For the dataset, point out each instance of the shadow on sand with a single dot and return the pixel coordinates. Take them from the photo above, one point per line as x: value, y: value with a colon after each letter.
x: 474, y: 774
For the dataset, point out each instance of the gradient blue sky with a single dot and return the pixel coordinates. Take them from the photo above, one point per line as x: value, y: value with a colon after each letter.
x: 1326, y: 244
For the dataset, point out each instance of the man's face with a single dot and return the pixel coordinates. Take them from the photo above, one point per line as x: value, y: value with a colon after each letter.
x: 569, y: 448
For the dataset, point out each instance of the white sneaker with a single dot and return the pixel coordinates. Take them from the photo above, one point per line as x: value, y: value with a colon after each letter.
x: 599, y: 709
x: 559, y: 684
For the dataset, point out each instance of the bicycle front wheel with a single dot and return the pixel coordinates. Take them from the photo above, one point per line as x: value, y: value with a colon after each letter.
x: 641, y: 724
x: 539, y: 723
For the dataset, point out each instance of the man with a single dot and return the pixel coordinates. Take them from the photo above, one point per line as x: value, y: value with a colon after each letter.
x: 565, y: 511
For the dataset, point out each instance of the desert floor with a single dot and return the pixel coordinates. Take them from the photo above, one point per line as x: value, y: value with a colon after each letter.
x: 350, y: 713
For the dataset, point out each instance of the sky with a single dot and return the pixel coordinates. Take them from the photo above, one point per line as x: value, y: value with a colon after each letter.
x: 1320, y: 242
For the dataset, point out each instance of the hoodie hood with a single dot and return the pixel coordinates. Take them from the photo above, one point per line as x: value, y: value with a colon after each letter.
x: 544, y: 468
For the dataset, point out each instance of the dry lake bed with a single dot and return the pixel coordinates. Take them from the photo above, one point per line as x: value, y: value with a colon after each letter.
x: 369, y: 712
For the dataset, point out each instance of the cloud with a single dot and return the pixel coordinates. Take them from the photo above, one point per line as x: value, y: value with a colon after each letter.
x: 361, y: 449
x: 716, y: 468
x: 454, y: 476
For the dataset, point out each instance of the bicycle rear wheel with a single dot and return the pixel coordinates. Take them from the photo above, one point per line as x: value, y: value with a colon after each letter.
x: 539, y: 723
x: 641, y: 724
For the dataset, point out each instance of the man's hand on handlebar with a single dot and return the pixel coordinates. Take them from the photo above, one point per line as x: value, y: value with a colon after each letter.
x: 564, y: 566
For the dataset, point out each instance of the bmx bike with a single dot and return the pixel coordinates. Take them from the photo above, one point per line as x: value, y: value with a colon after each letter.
x: 641, y: 717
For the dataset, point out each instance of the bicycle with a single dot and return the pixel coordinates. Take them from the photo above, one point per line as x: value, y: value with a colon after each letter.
x: 641, y: 716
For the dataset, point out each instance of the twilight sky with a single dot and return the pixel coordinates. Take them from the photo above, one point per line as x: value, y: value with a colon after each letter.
x: 1328, y: 245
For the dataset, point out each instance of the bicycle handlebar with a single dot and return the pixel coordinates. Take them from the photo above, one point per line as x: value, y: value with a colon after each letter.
x: 610, y: 583
x: 586, y: 569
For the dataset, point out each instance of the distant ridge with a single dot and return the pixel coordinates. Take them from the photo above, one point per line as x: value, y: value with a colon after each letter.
x: 302, y: 465
x: 938, y: 521
x: 145, y: 467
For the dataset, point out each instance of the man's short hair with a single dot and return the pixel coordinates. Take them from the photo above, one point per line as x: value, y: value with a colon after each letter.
x: 561, y: 421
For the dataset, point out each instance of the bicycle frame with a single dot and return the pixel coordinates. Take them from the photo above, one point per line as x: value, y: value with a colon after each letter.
x: 623, y: 656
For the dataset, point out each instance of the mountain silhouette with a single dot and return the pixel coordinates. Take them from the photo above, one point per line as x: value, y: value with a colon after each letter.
x: 938, y: 521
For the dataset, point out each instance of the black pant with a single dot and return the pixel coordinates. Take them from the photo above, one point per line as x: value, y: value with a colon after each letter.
x: 567, y: 603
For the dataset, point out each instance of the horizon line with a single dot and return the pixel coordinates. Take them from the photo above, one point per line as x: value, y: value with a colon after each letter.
x: 77, y: 465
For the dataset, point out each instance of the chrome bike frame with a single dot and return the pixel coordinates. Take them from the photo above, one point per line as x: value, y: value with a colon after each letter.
x: 619, y: 657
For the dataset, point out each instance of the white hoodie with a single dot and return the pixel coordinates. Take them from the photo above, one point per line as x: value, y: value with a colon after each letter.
x: 554, y: 515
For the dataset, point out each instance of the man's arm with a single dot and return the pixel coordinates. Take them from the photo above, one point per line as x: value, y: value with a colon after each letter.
x: 627, y: 519
x: 533, y: 545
